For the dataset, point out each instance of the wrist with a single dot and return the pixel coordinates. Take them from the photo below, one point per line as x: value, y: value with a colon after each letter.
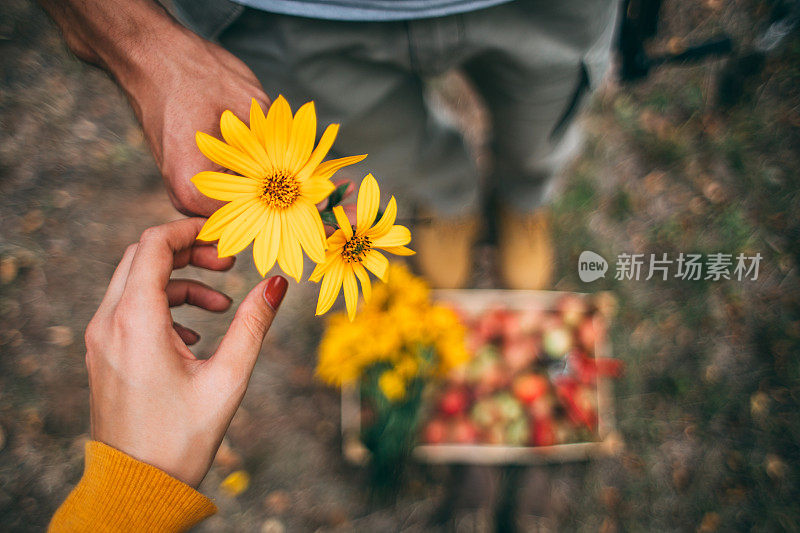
x: 117, y: 493
x: 126, y: 38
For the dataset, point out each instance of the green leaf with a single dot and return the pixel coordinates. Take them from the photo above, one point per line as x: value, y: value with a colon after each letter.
x: 337, y: 195
x: 329, y: 218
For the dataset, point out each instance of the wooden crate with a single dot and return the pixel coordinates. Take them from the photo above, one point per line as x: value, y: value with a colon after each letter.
x: 476, y: 300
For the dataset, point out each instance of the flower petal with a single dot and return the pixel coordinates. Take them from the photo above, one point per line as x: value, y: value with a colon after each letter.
x: 397, y: 236
x: 350, y: 293
x: 216, y: 223
x: 363, y: 277
x: 290, y: 256
x: 279, y: 127
x: 266, y: 244
x: 301, y: 140
x: 319, y: 153
x: 242, y: 230
x: 376, y: 263
x: 398, y: 250
x: 336, y: 240
x: 229, y: 157
x: 258, y: 122
x: 238, y: 135
x: 322, y: 268
x: 343, y: 221
x: 369, y: 198
x: 226, y: 187
x: 316, y: 189
x: 307, y: 224
x: 329, y: 168
x: 329, y: 288
x: 386, y: 222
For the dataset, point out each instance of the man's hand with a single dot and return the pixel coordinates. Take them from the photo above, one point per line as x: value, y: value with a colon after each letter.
x: 150, y: 396
x: 177, y: 82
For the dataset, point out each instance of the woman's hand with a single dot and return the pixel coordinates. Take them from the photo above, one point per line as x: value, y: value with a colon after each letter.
x: 150, y: 396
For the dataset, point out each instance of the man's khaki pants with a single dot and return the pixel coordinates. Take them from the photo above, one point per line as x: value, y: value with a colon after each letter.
x: 532, y: 62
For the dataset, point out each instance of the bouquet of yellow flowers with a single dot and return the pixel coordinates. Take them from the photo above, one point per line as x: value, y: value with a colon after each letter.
x: 400, y: 331
x: 398, y: 342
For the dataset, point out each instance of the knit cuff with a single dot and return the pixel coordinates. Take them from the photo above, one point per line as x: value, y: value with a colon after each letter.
x: 118, y: 493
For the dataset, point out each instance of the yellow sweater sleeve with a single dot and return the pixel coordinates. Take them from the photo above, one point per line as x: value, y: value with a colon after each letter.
x: 117, y: 493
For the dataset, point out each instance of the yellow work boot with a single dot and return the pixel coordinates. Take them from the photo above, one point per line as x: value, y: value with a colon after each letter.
x: 444, y: 250
x: 525, y: 250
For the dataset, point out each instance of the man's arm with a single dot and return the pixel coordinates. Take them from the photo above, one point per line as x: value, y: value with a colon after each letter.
x: 176, y: 82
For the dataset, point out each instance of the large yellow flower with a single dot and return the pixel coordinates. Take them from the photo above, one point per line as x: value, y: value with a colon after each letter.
x: 272, y: 201
x: 354, y: 250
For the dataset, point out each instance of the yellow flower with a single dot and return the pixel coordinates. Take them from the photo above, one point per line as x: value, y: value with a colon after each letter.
x: 392, y: 385
x: 354, y: 250
x: 280, y: 178
x: 407, y: 367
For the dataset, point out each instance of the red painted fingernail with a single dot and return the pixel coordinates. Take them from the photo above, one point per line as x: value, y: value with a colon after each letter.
x: 275, y: 291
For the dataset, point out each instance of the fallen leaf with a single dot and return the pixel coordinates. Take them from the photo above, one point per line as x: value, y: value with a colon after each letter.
x: 236, y: 483
x: 272, y: 525
x: 60, y: 335
x: 9, y: 267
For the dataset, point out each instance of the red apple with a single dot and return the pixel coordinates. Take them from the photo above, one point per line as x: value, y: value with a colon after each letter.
x: 490, y: 325
x: 453, y: 401
x: 529, y: 387
x: 577, y: 402
x: 544, y: 432
x: 435, y: 432
x: 519, y: 352
x: 511, y: 326
x: 542, y: 407
x: 463, y: 431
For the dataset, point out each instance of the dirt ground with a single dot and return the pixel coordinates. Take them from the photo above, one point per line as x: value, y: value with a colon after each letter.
x: 708, y: 408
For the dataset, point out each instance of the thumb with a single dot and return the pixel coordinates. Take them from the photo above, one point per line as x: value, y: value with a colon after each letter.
x: 238, y: 351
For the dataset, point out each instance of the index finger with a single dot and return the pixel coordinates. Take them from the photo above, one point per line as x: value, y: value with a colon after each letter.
x: 155, y: 255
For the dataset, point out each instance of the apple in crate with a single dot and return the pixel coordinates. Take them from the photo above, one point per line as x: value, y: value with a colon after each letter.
x: 572, y: 309
x: 491, y: 325
x: 463, y: 431
x: 435, y: 432
x: 520, y: 352
x: 453, y: 401
x: 517, y: 432
x: 557, y: 342
x: 485, y: 413
x: 530, y: 321
x: 530, y: 387
x: 543, y: 431
x: 587, y: 333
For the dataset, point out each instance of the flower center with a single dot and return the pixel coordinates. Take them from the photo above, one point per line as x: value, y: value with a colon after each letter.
x: 356, y: 248
x: 280, y: 189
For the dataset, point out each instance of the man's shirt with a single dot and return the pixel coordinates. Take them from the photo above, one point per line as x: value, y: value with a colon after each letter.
x: 363, y: 10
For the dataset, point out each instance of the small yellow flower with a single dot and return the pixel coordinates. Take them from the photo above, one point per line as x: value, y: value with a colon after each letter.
x: 236, y: 483
x: 281, y: 176
x: 392, y: 385
x: 407, y: 367
x: 354, y: 250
